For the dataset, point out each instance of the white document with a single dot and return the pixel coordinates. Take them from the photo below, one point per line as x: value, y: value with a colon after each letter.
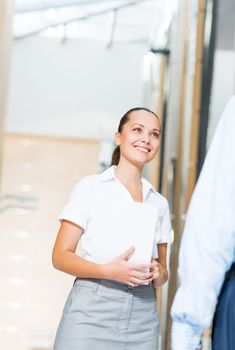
x: 122, y: 225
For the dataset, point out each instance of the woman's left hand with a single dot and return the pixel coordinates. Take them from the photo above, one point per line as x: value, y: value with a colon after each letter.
x: 160, y: 273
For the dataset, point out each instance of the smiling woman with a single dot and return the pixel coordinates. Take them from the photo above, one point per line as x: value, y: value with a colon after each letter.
x: 137, y: 126
x: 112, y: 303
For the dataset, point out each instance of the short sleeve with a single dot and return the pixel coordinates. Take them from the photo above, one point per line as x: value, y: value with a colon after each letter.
x: 163, y: 229
x: 77, y: 208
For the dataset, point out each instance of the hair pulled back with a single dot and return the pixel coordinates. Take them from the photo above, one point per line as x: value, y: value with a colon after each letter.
x: 117, y: 152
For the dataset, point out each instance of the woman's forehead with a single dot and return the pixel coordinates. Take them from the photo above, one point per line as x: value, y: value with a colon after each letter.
x: 144, y: 118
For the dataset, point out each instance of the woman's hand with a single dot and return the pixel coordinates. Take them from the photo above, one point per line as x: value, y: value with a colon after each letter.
x: 160, y: 273
x: 133, y: 275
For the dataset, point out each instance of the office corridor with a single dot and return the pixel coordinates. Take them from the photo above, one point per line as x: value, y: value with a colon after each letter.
x: 69, y: 70
x: 38, y: 174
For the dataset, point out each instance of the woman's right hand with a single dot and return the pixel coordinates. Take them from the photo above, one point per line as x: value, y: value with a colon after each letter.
x: 121, y: 270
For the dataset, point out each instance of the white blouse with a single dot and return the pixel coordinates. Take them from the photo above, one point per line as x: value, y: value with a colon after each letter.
x: 101, y: 192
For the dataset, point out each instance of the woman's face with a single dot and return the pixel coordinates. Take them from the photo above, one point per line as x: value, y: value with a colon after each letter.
x: 140, y: 138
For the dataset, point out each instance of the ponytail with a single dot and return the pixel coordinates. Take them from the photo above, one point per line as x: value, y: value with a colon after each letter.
x: 116, y: 156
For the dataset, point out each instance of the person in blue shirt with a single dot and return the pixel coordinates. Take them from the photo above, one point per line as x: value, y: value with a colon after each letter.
x: 207, y: 249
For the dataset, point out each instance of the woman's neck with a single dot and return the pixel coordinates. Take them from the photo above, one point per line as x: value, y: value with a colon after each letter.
x: 129, y: 174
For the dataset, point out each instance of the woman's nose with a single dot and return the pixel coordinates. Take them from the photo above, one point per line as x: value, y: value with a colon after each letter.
x: 145, y: 138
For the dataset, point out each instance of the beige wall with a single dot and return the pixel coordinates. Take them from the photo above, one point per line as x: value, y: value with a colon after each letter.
x: 6, y: 14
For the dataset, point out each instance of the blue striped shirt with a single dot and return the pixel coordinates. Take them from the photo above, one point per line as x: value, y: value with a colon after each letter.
x: 208, y: 244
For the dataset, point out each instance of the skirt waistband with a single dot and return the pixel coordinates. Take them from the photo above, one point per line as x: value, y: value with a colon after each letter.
x: 113, y: 286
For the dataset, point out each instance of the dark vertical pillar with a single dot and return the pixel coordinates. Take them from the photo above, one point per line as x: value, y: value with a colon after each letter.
x: 207, y: 74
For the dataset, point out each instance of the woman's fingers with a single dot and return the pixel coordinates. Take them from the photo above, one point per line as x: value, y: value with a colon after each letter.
x: 131, y: 274
x: 145, y: 276
x: 153, y: 264
x: 135, y: 281
x: 156, y: 275
x: 155, y: 269
x: 137, y: 278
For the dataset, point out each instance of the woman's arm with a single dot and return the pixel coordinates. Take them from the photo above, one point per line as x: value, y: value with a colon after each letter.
x: 65, y: 259
x: 159, y: 267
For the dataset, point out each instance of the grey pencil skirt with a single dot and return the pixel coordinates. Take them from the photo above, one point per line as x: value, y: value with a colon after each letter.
x: 108, y: 315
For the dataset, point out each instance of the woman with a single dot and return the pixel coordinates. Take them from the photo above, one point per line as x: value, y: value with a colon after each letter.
x: 112, y: 304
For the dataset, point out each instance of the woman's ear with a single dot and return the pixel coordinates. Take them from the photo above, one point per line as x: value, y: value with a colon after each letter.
x: 117, y: 138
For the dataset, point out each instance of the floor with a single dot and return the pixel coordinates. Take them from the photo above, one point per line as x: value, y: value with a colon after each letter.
x: 37, y: 176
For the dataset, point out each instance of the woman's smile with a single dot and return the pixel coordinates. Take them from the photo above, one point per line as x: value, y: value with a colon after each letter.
x: 142, y: 149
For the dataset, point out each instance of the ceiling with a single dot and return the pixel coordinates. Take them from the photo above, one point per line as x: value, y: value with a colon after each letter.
x: 106, y: 20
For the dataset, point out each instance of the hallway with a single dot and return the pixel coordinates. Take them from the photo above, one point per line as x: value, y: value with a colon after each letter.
x: 38, y: 175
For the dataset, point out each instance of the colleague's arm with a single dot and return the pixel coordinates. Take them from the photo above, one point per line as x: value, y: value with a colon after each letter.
x: 207, y: 248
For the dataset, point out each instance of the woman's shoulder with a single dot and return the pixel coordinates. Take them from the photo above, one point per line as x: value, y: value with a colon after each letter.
x: 86, y: 182
x: 156, y: 197
x: 161, y: 200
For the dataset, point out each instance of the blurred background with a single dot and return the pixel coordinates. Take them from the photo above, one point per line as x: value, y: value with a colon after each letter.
x: 69, y: 69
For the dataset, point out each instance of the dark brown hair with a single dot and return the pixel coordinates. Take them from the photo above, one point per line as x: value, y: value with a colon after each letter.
x: 116, y: 152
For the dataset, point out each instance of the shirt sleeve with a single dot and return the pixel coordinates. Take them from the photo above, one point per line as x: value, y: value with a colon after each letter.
x: 163, y: 229
x: 208, y: 243
x: 77, y: 209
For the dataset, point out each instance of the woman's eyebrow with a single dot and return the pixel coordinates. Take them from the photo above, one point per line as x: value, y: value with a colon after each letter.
x: 154, y: 129
x: 138, y: 124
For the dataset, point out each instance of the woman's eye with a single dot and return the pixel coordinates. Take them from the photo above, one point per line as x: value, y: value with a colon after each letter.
x: 138, y: 130
x: 155, y: 134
